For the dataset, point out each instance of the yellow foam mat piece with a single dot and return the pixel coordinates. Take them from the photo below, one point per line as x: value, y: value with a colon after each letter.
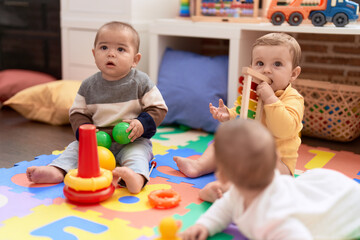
x: 159, y: 149
x: 50, y: 221
x: 320, y: 159
x: 57, y: 152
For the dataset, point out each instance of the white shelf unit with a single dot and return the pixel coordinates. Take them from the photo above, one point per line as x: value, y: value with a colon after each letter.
x: 80, y: 20
x: 182, y: 34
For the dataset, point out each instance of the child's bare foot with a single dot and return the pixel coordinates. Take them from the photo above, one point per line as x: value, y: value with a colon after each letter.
x: 134, y: 181
x: 187, y: 166
x: 45, y: 174
x: 211, y: 192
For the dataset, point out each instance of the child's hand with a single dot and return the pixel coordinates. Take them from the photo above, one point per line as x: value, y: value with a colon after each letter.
x: 196, y: 232
x: 266, y: 93
x: 136, y: 129
x: 221, y: 113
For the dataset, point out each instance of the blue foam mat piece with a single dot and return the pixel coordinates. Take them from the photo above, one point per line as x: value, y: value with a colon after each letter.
x: 167, y: 160
x: 53, y: 191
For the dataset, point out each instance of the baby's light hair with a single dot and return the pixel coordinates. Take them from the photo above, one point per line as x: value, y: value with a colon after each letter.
x: 245, y: 151
x: 120, y: 25
x: 281, y: 39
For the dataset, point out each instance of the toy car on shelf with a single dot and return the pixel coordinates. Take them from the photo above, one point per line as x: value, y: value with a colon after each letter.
x: 339, y: 12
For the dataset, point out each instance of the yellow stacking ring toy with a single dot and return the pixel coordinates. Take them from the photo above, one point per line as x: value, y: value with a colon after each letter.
x: 88, y: 184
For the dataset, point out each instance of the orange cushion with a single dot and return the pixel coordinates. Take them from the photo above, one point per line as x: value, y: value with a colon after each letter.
x: 47, y: 102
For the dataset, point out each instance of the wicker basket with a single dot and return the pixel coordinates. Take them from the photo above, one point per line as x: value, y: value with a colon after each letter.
x: 332, y: 111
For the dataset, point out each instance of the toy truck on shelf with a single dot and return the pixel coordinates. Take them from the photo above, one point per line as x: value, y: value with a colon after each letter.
x: 340, y: 12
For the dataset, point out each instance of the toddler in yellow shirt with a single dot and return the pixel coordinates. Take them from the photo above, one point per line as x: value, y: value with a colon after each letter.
x: 277, y: 56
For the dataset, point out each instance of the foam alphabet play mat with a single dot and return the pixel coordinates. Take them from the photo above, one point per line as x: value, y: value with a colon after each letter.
x: 41, y: 211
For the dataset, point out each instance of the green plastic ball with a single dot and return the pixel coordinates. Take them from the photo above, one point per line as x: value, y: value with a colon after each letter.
x: 103, y: 139
x: 119, y: 133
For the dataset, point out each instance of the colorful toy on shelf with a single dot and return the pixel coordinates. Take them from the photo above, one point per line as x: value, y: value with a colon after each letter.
x: 248, y: 104
x: 106, y: 158
x: 340, y: 12
x: 119, y: 133
x: 88, y: 183
x: 103, y: 139
x: 168, y: 229
x: 164, y: 198
x: 184, y: 8
x: 226, y: 10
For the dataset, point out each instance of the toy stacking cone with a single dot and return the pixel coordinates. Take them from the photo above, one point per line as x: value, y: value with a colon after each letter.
x: 89, y: 183
x: 88, y: 165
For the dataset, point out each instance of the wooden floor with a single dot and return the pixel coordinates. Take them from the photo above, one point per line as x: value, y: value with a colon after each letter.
x: 23, y: 140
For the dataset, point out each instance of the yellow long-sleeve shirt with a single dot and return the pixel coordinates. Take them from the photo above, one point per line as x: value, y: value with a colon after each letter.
x: 284, y: 120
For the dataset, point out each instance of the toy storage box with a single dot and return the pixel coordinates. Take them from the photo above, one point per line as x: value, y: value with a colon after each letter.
x: 332, y: 111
